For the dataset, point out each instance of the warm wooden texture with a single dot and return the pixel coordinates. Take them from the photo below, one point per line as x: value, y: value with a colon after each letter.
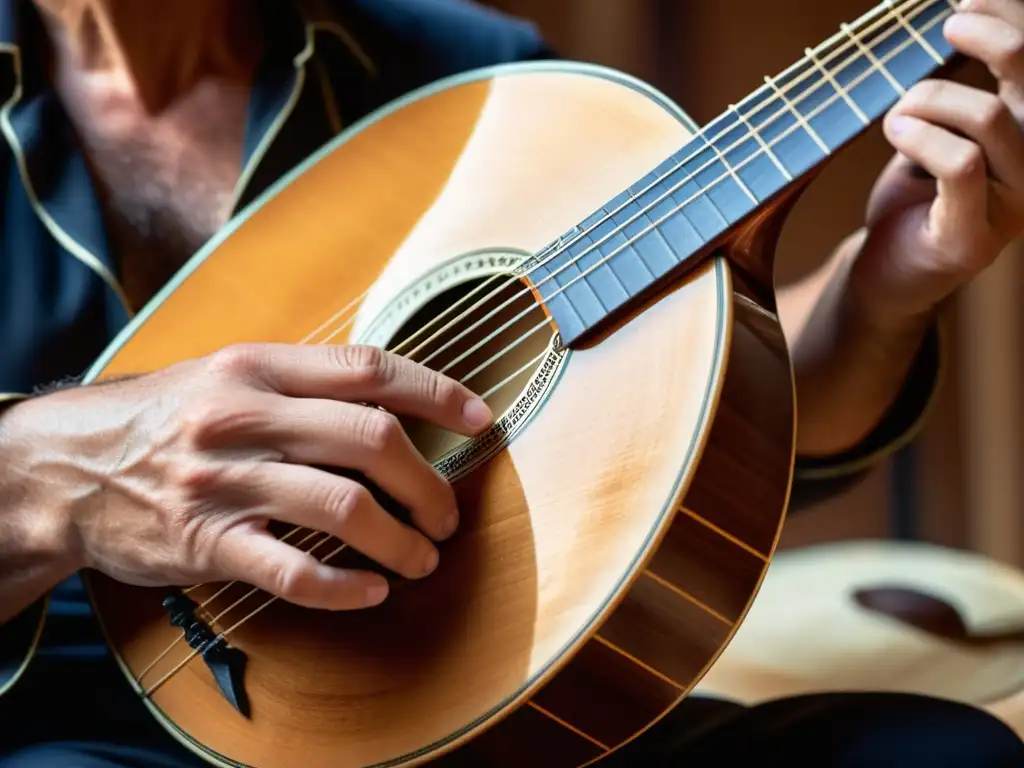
x: 824, y: 641
x: 559, y: 530
x: 676, y: 619
x: 956, y: 496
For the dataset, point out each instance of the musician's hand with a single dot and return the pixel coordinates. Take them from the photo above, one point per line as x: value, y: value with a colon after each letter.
x: 171, y: 478
x: 928, y: 237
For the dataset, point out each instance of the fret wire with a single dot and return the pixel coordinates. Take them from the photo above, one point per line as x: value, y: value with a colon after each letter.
x: 870, y: 20
x: 789, y: 106
x: 799, y: 117
x: 655, y: 224
x: 835, y: 84
x: 615, y: 274
x: 912, y: 30
x: 838, y: 36
x: 874, y: 59
x: 732, y: 172
x: 760, y: 140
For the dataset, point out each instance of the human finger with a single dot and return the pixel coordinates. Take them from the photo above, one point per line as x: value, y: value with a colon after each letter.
x: 359, y: 373
x: 995, y: 42
x: 959, y: 215
x: 367, y: 440
x: 257, y: 558
x: 978, y: 115
x: 312, y: 498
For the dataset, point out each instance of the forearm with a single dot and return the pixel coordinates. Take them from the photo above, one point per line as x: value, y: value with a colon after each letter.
x: 35, y: 548
x: 850, y: 367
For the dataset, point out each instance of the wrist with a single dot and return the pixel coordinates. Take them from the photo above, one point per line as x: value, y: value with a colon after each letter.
x: 887, y: 294
x: 877, y: 322
x: 870, y: 325
x: 35, y: 511
x: 851, y: 362
x: 873, y: 328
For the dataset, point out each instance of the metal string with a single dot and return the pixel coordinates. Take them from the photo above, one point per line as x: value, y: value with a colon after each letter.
x: 893, y: 13
x: 873, y: 69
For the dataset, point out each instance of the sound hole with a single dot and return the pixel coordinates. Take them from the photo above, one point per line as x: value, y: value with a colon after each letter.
x: 488, y: 333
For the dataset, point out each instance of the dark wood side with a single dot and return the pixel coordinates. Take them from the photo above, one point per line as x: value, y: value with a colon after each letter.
x: 681, y: 612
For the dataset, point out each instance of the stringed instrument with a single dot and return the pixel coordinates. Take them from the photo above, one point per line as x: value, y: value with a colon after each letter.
x: 561, y: 238
x: 898, y: 616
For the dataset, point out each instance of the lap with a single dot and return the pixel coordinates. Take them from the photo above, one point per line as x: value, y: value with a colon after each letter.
x: 95, y: 755
x: 838, y: 730
x: 841, y: 730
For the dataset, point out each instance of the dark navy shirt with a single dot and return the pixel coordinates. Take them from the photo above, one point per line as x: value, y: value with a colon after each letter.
x: 329, y: 63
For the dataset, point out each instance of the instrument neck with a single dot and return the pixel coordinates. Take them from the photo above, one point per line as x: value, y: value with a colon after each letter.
x: 742, y: 161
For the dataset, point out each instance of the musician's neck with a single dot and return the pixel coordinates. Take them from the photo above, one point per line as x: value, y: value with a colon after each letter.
x: 158, y: 50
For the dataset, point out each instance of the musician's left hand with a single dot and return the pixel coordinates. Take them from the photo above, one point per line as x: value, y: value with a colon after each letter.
x: 926, y: 234
x: 928, y: 237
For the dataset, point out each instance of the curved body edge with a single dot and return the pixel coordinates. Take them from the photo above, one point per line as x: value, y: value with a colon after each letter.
x: 620, y: 515
x: 695, y: 580
x: 102, y: 366
x: 19, y: 641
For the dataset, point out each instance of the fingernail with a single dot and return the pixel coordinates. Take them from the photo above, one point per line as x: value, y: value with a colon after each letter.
x: 956, y: 23
x: 376, y: 594
x: 899, y: 124
x: 431, y: 563
x: 450, y: 524
x: 476, y: 413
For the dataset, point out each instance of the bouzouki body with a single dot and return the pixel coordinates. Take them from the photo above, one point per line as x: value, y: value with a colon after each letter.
x: 617, y: 520
x: 617, y: 531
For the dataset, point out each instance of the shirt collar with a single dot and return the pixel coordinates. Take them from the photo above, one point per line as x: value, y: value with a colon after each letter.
x: 320, y: 16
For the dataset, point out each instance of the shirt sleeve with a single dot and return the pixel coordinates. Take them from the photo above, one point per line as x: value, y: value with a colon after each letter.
x: 819, y: 479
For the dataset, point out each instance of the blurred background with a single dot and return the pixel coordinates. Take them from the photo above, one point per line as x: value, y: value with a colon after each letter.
x: 959, y: 484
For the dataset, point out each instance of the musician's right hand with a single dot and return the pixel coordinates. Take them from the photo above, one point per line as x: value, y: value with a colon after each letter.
x: 171, y: 478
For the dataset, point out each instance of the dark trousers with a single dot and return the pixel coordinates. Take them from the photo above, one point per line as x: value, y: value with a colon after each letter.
x: 81, y: 714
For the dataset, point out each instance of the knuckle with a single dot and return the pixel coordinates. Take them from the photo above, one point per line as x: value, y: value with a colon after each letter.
x: 440, y: 389
x: 236, y: 360
x: 969, y: 165
x: 344, y: 501
x: 366, y: 365
x: 196, y: 480
x: 1009, y: 51
x: 924, y: 92
x: 992, y: 113
x: 284, y: 580
x: 208, y: 421
x: 380, y: 431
